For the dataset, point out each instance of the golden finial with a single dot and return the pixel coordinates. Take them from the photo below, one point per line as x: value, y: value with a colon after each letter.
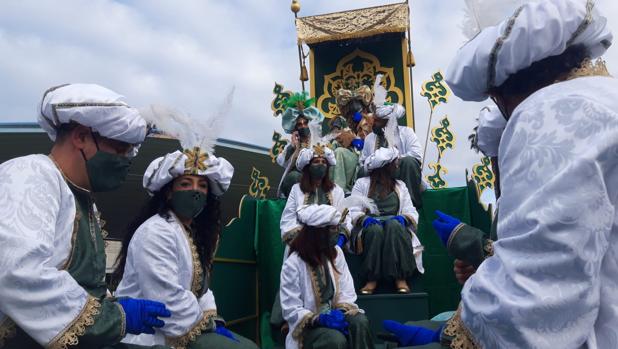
x: 295, y: 7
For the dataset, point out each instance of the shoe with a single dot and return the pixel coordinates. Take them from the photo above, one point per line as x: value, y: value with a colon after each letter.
x: 366, y: 290
x: 403, y: 290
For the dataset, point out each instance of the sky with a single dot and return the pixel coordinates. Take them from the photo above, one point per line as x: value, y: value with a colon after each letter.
x: 187, y: 54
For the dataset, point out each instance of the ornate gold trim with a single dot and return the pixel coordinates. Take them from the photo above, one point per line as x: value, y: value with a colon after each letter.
x: 206, y: 323
x: 456, y: 230
x: 348, y: 308
x: 123, y: 320
x: 314, y: 285
x: 7, y: 330
x: 291, y: 235
x: 298, y: 331
x: 78, y: 216
x: 70, y: 335
x: 488, y: 248
x: 461, y: 337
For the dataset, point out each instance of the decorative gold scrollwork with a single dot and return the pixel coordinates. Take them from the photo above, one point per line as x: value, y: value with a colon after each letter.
x: 259, y: 184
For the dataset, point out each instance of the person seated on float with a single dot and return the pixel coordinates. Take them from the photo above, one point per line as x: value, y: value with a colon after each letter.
x: 357, y: 108
x: 468, y: 245
x: 317, y: 291
x: 295, y: 122
x: 168, y: 252
x: 52, y: 280
x: 386, y: 238
x: 347, y: 147
x: 404, y: 140
x: 315, y: 187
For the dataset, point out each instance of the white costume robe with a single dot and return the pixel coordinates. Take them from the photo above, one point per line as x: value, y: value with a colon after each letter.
x: 298, y: 294
x: 406, y: 209
x: 163, y: 265
x: 289, y: 222
x: 37, y: 227
x: 553, y: 279
x: 409, y: 145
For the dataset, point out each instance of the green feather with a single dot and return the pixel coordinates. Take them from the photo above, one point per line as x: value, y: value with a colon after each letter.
x: 293, y: 100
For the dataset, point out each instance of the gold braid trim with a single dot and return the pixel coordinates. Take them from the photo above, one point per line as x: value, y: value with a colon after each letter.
x: 348, y: 308
x: 300, y: 328
x: 196, y: 280
x: 456, y: 230
x: 314, y: 285
x: 205, y: 324
x: 461, y: 337
x: 70, y: 336
x: 7, y: 330
x: 291, y: 235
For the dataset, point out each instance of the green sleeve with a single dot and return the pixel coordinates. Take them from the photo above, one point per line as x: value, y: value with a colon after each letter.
x: 108, y: 328
x: 468, y: 244
x: 290, y: 150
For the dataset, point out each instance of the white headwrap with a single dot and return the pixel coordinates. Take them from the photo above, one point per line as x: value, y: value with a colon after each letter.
x: 163, y: 170
x: 94, y: 106
x: 318, y: 215
x: 381, y: 158
x: 537, y: 30
x: 388, y: 111
x: 490, y: 129
x: 307, y: 154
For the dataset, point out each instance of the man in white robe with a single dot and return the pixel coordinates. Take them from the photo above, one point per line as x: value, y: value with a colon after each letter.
x: 552, y: 280
x: 52, y: 269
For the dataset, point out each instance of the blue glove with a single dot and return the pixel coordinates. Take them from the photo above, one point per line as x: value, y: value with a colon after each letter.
x: 400, y: 219
x: 341, y: 240
x: 357, y: 117
x: 444, y: 226
x: 142, y: 315
x: 358, y: 143
x: 411, y: 335
x: 335, y: 320
x: 370, y: 221
x: 222, y: 331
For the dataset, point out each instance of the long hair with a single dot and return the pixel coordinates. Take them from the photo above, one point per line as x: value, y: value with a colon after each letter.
x: 381, y: 179
x: 306, y: 183
x: 313, y: 246
x: 206, y: 229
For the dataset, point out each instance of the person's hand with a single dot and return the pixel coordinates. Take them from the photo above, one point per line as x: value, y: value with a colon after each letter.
x: 295, y: 139
x: 463, y: 271
x: 400, y: 219
x: 358, y: 144
x: 142, y: 315
x: 341, y: 240
x: 222, y: 331
x: 370, y: 221
x: 444, y: 226
x: 335, y: 320
x: 409, y: 335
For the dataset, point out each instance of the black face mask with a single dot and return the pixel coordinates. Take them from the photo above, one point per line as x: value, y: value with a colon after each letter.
x: 106, y: 171
x: 378, y: 130
x: 317, y: 171
x: 303, y: 132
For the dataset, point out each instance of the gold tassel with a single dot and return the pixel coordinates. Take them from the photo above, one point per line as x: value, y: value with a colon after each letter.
x: 304, y: 76
x: 411, y: 61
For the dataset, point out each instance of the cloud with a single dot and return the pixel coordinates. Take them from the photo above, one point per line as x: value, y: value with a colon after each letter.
x: 188, y: 54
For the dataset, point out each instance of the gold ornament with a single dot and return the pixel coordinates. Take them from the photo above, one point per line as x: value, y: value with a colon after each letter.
x: 196, y: 161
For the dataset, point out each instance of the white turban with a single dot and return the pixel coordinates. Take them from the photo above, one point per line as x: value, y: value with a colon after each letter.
x: 94, y: 106
x: 537, y: 30
x: 388, y: 111
x: 490, y: 129
x: 318, y: 215
x: 163, y: 170
x: 381, y: 158
x: 307, y: 154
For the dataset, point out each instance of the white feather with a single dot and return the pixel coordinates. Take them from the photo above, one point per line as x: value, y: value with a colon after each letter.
x: 390, y: 132
x: 365, y: 203
x: 480, y: 14
x: 315, y: 129
x: 379, y: 92
x: 190, y: 131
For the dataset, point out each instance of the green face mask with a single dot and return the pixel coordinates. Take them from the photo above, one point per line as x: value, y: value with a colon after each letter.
x: 188, y: 203
x: 303, y: 132
x: 107, y: 171
x: 378, y: 130
x: 317, y: 171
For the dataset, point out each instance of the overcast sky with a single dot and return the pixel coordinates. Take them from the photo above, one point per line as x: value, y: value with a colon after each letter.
x: 188, y: 53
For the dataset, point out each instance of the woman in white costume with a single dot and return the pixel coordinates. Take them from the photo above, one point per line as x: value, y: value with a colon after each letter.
x: 317, y: 290
x: 170, y: 254
x: 387, y: 240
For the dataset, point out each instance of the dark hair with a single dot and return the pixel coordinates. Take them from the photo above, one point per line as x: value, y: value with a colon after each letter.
x: 381, y: 178
x: 306, y: 183
x: 543, y: 73
x: 64, y: 130
x: 206, y: 229
x: 313, y: 246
